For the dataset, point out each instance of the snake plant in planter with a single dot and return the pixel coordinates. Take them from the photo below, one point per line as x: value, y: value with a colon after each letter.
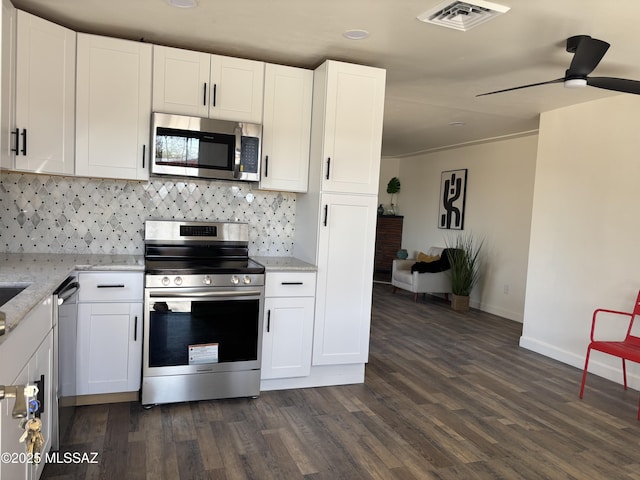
x: 464, y: 258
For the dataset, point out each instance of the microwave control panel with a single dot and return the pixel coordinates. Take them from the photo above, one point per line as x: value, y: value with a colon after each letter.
x: 249, y: 158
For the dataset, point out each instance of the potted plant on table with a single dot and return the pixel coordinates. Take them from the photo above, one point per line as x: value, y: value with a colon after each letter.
x: 464, y: 258
x: 393, y: 187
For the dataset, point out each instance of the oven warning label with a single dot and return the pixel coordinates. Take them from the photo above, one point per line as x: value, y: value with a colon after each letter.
x: 203, y: 353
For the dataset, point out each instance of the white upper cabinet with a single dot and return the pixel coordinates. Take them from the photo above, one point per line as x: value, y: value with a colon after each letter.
x: 181, y: 81
x: 113, y: 107
x: 237, y: 89
x: 350, y: 102
x: 209, y: 86
x: 286, y: 129
x: 8, y: 110
x: 42, y: 137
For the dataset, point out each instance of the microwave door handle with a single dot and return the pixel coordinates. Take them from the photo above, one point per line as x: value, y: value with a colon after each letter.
x: 238, y: 152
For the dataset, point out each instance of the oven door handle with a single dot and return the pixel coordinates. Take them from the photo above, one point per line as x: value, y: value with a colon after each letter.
x: 183, y: 293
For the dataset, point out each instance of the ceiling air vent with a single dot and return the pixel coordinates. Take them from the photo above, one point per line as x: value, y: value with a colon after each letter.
x: 462, y: 15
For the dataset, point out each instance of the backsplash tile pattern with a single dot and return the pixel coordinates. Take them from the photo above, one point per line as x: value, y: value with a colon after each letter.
x: 54, y: 214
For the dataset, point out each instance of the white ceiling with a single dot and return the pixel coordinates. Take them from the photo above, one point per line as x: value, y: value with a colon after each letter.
x: 433, y: 73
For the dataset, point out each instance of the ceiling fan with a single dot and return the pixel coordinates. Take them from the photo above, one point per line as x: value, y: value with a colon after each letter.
x: 587, y: 54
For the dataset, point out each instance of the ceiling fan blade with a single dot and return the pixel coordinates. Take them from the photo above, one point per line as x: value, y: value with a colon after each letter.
x: 588, y: 54
x: 615, y: 84
x: 557, y: 80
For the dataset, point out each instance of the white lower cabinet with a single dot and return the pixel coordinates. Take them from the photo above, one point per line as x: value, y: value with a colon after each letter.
x: 9, y: 442
x: 110, y: 348
x: 345, y: 268
x: 26, y: 354
x: 109, y: 336
x: 288, y: 324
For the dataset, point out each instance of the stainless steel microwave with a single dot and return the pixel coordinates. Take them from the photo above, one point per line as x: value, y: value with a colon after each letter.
x: 205, y: 148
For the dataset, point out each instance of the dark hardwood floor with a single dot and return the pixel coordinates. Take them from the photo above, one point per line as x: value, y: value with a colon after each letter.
x: 446, y: 396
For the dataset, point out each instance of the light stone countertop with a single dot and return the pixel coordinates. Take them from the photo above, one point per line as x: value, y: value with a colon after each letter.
x: 44, y: 272
x: 284, y: 264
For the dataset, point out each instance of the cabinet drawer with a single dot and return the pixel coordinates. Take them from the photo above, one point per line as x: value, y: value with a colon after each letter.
x: 110, y: 286
x: 290, y: 284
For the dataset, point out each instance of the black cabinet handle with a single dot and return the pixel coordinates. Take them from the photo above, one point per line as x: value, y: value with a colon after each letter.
x: 326, y: 214
x: 135, y: 329
x: 24, y: 141
x: 17, y: 134
x: 40, y: 396
x: 268, y: 321
x: 328, y: 167
x: 215, y: 90
x: 144, y: 154
x: 204, y: 97
x: 111, y: 286
x: 291, y: 283
x: 266, y: 166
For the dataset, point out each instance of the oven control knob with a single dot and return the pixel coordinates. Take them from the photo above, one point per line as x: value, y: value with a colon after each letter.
x: 177, y: 281
x: 165, y: 281
x: 206, y: 280
x: 235, y: 280
x: 246, y: 279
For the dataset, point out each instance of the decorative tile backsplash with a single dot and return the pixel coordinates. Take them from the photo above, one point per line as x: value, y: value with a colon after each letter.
x: 53, y: 214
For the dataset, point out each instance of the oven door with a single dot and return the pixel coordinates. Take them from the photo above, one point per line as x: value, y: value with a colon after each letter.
x: 199, y: 330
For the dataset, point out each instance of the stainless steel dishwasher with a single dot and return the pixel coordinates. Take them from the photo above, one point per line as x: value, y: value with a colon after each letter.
x: 65, y: 323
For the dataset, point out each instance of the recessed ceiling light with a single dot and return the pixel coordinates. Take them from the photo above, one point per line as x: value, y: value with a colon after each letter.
x: 183, y: 3
x: 356, y: 34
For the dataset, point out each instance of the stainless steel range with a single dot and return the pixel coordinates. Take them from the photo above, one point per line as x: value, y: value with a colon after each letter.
x: 203, y: 309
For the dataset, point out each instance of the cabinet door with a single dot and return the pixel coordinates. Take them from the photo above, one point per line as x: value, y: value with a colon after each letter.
x: 287, y: 337
x: 354, y: 105
x: 286, y: 128
x: 45, y: 96
x: 236, y: 89
x: 8, y: 83
x: 181, y: 81
x: 109, y: 347
x: 42, y: 364
x: 113, y: 107
x: 10, y: 434
x: 345, y: 279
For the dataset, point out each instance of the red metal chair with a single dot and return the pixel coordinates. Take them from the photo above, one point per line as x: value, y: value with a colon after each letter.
x: 627, y: 349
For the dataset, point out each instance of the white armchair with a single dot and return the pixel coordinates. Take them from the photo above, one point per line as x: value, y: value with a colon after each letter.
x: 403, y: 277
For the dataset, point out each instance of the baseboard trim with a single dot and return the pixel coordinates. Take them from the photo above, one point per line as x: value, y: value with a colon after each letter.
x: 97, y: 399
x: 598, y: 363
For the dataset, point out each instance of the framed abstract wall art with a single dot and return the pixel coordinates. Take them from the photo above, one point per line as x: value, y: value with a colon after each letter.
x: 453, y: 190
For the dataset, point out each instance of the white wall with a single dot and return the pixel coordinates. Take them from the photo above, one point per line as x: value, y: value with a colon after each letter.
x: 585, y: 229
x: 498, y: 207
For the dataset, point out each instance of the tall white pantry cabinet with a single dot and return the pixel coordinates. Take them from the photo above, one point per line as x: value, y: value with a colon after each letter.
x: 336, y: 219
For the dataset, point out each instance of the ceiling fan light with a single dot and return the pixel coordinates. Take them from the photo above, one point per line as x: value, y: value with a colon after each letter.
x: 575, y: 82
x: 356, y: 34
